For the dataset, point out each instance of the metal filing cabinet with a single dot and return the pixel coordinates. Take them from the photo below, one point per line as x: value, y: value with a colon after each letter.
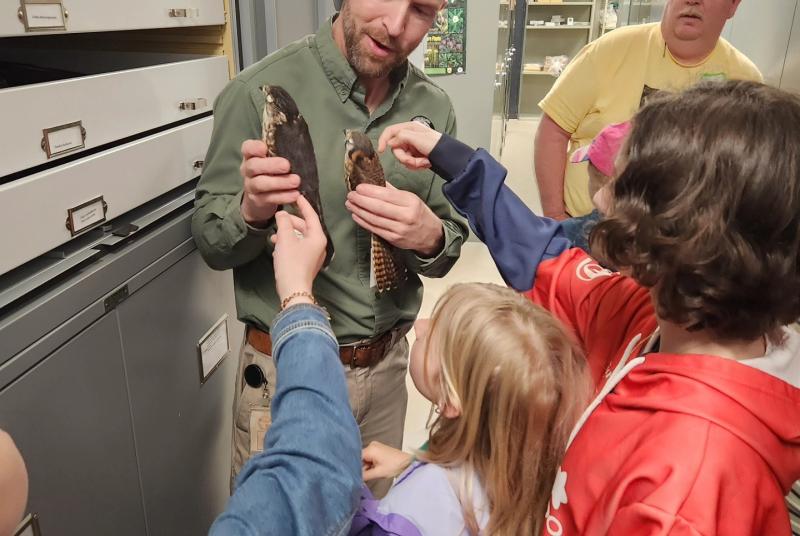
x: 106, y: 15
x: 102, y: 122
x: 69, y: 416
x: 107, y: 406
x: 104, y: 298
x: 182, y: 427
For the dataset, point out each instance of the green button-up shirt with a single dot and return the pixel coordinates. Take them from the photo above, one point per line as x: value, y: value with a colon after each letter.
x: 325, y: 87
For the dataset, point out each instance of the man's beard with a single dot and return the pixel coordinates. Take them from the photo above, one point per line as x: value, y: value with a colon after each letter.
x: 363, y: 63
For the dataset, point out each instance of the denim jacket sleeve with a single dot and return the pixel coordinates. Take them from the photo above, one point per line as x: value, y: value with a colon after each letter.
x: 518, y: 239
x: 308, y: 479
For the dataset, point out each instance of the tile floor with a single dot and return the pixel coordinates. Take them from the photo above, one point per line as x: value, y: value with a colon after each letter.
x: 475, y: 263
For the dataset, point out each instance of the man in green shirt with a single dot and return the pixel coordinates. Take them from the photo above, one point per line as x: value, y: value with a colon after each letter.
x: 353, y: 74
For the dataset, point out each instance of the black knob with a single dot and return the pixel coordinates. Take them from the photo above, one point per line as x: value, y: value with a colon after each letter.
x: 254, y: 376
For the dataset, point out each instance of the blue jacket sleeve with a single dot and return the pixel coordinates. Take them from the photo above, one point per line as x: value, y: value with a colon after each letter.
x: 308, y: 479
x: 518, y: 239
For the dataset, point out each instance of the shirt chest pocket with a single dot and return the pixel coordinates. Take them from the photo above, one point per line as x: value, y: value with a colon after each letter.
x: 417, y: 182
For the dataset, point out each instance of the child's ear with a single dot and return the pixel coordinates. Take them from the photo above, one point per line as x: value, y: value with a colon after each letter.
x: 602, y: 199
x: 450, y: 411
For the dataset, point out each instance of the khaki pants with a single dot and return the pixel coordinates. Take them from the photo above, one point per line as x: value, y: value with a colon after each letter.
x: 378, y: 398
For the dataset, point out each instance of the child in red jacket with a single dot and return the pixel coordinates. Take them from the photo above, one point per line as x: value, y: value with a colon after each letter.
x: 696, y: 425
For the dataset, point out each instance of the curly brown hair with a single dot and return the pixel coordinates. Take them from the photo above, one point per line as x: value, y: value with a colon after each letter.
x: 706, y: 211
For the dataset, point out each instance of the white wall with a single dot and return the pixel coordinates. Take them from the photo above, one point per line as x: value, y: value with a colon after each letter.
x: 473, y: 93
x: 294, y: 20
x: 761, y: 30
x: 791, y: 70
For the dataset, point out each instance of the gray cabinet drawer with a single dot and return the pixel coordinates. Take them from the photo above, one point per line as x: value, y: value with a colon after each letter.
x: 125, y: 177
x: 70, y: 418
x: 111, y: 15
x: 108, y: 107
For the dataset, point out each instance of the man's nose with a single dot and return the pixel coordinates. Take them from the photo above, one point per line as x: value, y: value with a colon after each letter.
x: 395, y: 19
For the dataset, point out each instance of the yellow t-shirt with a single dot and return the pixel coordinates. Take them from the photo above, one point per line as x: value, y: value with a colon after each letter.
x: 608, y: 81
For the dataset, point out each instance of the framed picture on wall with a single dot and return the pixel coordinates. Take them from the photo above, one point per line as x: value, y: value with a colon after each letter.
x: 446, y: 43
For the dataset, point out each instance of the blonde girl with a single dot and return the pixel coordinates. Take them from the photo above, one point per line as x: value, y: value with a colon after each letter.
x: 507, y: 384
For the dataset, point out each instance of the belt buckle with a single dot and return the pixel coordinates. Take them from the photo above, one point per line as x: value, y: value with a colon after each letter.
x: 353, y: 349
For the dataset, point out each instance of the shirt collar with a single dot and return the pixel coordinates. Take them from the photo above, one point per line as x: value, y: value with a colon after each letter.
x: 334, y: 64
x: 338, y: 70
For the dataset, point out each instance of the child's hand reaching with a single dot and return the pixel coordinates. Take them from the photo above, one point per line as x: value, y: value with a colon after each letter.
x: 299, y: 252
x: 411, y: 143
x: 381, y: 461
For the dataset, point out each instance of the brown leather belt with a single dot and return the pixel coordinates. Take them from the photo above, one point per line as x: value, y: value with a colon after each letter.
x: 366, y: 353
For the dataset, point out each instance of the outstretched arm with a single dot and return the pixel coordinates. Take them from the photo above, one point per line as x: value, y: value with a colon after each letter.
x: 308, y: 479
x: 518, y: 239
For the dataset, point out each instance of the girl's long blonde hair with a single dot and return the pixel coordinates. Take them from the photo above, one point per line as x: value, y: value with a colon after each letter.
x: 520, y: 384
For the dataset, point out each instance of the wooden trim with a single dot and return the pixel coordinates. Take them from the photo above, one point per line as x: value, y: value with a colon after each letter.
x: 227, y: 40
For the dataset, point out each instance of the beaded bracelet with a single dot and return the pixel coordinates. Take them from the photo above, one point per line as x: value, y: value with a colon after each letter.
x: 294, y: 295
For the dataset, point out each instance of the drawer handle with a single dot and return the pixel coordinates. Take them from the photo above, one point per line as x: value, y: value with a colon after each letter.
x: 199, y: 164
x: 183, y: 13
x: 194, y: 104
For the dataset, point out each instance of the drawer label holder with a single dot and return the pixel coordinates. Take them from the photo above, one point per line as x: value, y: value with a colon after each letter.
x: 42, y: 15
x: 87, y: 215
x: 213, y: 348
x: 183, y: 13
x: 63, y: 139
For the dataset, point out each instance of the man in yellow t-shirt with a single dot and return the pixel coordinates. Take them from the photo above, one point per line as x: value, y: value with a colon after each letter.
x: 610, y: 79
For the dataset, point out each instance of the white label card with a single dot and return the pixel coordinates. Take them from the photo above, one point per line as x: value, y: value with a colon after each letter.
x: 213, y: 347
x: 260, y: 419
x: 64, y: 139
x: 84, y: 216
x: 44, y: 16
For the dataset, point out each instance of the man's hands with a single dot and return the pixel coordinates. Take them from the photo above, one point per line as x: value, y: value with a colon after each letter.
x: 299, y: 251
x: 267, y: 183
x: 399, y: 217
x: 381, y: 461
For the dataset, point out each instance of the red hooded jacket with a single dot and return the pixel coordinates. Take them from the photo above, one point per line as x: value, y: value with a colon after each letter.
x: 673, y: 444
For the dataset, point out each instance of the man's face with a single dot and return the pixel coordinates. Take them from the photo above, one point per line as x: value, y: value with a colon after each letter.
x: 380, y: 34
x: 697, y: 20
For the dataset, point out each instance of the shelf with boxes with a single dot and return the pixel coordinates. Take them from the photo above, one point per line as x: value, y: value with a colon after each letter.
x: 555, y: 32
x: 575, y: 26
x: 106, y: 107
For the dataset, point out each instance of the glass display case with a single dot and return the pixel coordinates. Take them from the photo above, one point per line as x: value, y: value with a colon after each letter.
x: 640, y: 11
x: 502, y: 87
